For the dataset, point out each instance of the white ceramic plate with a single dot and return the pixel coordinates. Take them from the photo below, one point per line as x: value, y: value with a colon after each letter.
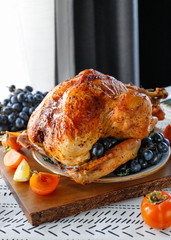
x: 109, y: 178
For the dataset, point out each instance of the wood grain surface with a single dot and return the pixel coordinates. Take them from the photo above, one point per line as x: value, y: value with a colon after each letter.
x: 70, y: 198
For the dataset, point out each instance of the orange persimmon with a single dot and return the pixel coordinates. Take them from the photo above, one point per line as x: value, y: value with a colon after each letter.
x: 44, y: 183
x: 13, y: 158
x: 167, y: 133
x: 10, y: 139
x: 156, y: 209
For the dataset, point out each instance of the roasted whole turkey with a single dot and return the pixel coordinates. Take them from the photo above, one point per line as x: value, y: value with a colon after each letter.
x: 80, y: 111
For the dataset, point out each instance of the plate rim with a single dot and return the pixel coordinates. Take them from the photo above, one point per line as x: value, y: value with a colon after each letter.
x: 46, y: 164
x: 104, y: 179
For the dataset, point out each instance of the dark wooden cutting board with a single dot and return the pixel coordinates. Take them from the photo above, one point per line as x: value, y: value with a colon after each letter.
x: 70, y: 198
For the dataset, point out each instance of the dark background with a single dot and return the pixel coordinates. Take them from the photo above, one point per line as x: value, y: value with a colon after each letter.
x: 95, y: 36
x: 96, y: 25
x: 155, y: 43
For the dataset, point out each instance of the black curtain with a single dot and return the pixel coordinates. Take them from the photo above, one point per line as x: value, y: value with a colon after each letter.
x: 105, y: 35
x: 104, y: 32
x: 155, y: 43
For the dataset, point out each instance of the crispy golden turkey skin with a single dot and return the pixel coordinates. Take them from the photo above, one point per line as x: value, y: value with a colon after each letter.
x: 80, y: 111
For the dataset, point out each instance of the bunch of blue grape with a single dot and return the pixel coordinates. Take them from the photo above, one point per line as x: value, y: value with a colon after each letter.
x: 152, y: 149
x: 17, y: 108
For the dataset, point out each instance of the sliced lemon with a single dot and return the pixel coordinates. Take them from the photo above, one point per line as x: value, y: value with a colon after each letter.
x: 22, y: 173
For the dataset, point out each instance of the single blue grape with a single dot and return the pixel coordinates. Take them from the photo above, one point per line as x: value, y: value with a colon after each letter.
x: 25, y: 104
x: 147, y: 154
x: 21, y: 97
x: 11, y: 117
x: 17, y: 107
x: 166, y: 141
x: 24, y: 116
x: 19, y: 123
x: 30, y: 98
x: 135, y: 166
x: 28, y: 88
x: 157, y: 137
x: 143, y: 163
x: 5, y: 102
x: 38, y: 97
x: 12, y: 88
x: 14, y: 99
x: 25, y: 109
x: 31, y: 110
x: 7, y: 110
x: 97, y: 150
x: 162, y: 147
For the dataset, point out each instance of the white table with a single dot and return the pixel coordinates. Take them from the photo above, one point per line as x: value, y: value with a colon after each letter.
x: 121, y: 220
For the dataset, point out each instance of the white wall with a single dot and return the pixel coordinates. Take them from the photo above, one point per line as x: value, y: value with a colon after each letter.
x: 26, y: 44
